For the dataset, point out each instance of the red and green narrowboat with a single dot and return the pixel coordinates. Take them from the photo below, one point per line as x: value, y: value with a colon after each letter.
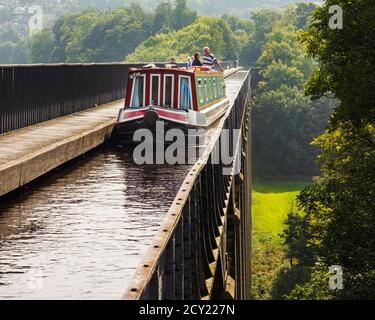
x: 181, y: 98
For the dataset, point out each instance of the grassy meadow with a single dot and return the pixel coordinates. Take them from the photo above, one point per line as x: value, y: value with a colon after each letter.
x: 272, y: 201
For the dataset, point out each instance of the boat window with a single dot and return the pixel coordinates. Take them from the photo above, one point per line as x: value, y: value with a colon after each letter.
x: 200, y: 92
x: 210, y: 88
x: 155, y: 91
x: 168, y: 93
x: 205, y: 90
x: 138, y: 92
x: 220, y: 88
x: 215, y: 88
x: 185, y: 93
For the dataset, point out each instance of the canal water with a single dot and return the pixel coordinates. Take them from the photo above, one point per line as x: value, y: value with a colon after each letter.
x: 80, y: 232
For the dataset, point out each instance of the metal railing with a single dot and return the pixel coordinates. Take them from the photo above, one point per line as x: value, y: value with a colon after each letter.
x: 31, y: 94
x: 202, y: 249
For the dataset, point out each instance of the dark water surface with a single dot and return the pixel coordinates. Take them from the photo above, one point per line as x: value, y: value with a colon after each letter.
x: 81, y: 233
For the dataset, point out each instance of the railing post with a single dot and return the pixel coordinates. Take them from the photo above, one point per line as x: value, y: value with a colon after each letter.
x: 179, y: 262
x: 187, y: 252
x: 170, y: 269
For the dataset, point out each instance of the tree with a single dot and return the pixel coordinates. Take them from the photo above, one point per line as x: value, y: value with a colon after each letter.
x: 6, y: 50
x: 182, y: 16
x: 213, y: 32
x: 42, y: 45
x: 296, y: 238
x: 75, y: 44
x: 63, y: 33
x: 281, y: 46
x: 347, y: 59
x: 284, y: 123
x: 312, y: 285
x: 162, y: 18
x: 278, y: 73
x: 110, y: 35
x: 340, y: 207
x: 340, y: 203
x: 21, y: 54
x: 264, y: 21
x: 115, y: 35
x: 304, y: 13
x: 284, y: 120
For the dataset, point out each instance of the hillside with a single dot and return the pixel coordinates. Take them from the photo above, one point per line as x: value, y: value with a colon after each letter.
x: 213, y: 32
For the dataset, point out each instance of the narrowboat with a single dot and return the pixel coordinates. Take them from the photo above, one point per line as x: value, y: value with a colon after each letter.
x: 179, y: 97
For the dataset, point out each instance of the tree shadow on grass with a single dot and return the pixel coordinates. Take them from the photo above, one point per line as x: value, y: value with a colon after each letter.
x: 270, y: 186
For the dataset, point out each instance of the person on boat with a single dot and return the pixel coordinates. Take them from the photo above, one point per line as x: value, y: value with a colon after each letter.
x: 173, y: 63
x: 189, y: 63
x: 209, y: 60
x: 197, y: 61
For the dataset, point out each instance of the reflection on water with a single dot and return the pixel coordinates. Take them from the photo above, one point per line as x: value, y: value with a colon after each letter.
x: 82, y: 233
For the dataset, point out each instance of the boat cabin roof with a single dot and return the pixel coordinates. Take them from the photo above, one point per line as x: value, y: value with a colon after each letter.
x: 182, y: 71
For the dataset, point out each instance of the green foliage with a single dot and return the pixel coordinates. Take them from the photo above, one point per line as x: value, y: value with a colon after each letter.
x: 13, y: 48
x: 92, y: 36
x: 304, y: 13
x: 275, y: 24
x: 284, y: 123
x: 162, y: 18
x: 13, y: 52
x: 106, y: 36
x: 281, y: 46
x: 182, y: 15
x: 284, y: 120
x: 42, y: 44
x: 212, y: 32
x: 339, y: 217
x: 267, y: 259
x: 6, y: 50
x: 279, y: 74
x: 263, y: 22
x: 340, y: 207
x: 316, y: 288
x: 242, y: 29
x: 347, y: 59
x: 287, y: 280
x: 296, y: 238
x: 204, y: 7
x: 272, y: 200
x: 118, y: 32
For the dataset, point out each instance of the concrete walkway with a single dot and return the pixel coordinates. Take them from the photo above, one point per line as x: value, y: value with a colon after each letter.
x: 28, y: 153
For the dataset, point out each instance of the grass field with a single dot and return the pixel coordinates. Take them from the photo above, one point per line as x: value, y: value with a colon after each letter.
x: 272, y: 201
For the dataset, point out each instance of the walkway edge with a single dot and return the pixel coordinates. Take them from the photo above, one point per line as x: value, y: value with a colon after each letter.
x: 16, y: 174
